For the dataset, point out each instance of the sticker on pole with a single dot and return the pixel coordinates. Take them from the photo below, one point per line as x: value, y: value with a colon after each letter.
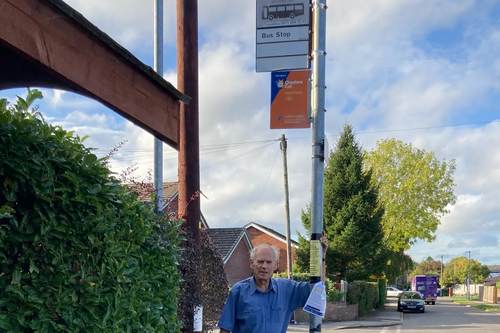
x: 316, y: 303
x: 315, y: 258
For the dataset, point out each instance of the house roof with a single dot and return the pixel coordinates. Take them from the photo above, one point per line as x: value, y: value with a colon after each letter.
x: 497, y: 278
x: 272, y: 233
x: 170, y: 189
x: 494, y: 268
x: 170, y: 192
x: 227, y: 239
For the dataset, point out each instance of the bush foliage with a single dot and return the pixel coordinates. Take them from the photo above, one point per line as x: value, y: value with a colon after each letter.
x: 364, y: 294
x: 214, y: 284
x: 78, y: 253
x: 332, y: 295
x: 382, y: 292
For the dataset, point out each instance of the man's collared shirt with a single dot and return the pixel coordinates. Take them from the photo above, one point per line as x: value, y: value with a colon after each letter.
x: 249, y: 310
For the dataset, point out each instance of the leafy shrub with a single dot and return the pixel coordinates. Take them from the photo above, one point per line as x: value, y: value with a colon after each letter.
x: 332, y: 295
x: 364, y: 294
x: 214, y: 287
x: 78, y: 253
x: 214, y: 284
x: 301, y: 277
x: 382, y: 292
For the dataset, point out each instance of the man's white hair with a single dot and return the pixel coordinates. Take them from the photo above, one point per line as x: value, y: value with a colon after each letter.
x: 269, y: 246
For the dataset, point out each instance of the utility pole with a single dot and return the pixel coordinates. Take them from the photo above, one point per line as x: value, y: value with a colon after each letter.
x: 318, y: 147
x: 189, y: 142
x: 158, y: 145
x: 287, y: 215
x: 287, y: 209
x: 468, y: 280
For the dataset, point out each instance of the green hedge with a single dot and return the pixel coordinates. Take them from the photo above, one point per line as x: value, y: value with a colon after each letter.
x: 382, y: 292
x: 301, y: 277
x: 364, y: 294
x: 78, y: 252
x: 332, y: 295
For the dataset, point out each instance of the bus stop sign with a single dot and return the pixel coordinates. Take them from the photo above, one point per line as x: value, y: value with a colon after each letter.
x: 283, y: 35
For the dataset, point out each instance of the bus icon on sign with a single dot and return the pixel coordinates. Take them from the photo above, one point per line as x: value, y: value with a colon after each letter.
x: 271, y: 12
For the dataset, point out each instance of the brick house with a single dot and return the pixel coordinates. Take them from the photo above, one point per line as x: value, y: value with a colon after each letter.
x: 260, y: 235
x: 234, y: 245
x: 170, y: 198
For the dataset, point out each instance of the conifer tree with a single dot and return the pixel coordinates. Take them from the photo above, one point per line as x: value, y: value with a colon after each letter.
x: 352, y: 216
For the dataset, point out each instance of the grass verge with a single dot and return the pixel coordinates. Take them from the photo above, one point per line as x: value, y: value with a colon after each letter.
x: 462, y: 302
x: 487, y: 307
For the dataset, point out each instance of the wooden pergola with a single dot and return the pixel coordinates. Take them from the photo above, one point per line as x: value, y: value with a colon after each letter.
x: 46, y: 43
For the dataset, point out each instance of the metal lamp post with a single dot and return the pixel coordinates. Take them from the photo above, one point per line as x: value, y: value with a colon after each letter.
x: 468, y: 279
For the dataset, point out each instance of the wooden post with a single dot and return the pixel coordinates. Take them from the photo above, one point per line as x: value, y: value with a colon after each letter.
x: 189, y: 142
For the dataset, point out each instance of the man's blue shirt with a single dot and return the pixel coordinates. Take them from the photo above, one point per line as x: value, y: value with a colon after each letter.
x: 249, y: 310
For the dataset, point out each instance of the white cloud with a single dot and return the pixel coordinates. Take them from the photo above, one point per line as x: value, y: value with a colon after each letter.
x: 474, y: 240
x: 129, y: 22
x: 375, y: 62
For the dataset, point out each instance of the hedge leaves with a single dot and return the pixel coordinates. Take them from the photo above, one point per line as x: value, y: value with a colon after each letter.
x: 78, y: 253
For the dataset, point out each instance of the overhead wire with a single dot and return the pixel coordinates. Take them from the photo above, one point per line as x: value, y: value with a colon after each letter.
x: 225, y: 161
x: 173, y: 155
x: 264, y: 188
x: 215, y: 148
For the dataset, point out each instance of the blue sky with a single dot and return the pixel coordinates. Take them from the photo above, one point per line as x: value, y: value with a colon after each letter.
x: 392, y: 66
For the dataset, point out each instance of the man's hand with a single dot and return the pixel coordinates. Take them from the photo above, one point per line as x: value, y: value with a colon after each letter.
x: 324, y: 243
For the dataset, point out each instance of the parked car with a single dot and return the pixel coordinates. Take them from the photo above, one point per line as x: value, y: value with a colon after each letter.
x: 411, y: 301
x: 393, y: 292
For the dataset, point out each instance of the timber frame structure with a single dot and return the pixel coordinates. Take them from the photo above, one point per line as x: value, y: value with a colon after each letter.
x: 46, y: 43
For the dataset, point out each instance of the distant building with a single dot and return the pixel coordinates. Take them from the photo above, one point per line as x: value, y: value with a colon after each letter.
x: 260, y: 234
x: 234, y: 245
x: 170, y: 197
x: 494, y: 270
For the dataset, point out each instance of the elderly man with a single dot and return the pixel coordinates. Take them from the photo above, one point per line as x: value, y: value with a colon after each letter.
x: 261, y: 304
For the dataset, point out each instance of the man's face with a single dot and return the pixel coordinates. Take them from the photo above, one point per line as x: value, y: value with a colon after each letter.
x: 264, y: 264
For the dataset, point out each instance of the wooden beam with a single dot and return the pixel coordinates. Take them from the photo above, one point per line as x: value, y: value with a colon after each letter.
x: 67, y: 52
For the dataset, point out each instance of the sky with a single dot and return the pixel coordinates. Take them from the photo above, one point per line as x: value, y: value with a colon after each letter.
x: 425, y: 72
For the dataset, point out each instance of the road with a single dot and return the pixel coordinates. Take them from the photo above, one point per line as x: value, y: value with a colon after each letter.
x: 444, y: 317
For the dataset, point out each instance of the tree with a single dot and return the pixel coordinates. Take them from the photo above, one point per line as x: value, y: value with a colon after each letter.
x: 399, y: 265
x: 415, y: 189
x: 78, y: 252
x: 351, y: 216
x: 428, y: 266
x: 456, y: 271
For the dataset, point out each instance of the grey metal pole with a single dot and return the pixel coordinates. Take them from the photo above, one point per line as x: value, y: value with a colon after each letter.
x: 318, y: 147
x: 158, y: 146
x: 441, y: 282
x: 287, y: 208
x: 468, y: 281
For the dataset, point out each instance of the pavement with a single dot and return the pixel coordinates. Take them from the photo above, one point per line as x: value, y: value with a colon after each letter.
x: 470, y: 303
x: 387, y: 316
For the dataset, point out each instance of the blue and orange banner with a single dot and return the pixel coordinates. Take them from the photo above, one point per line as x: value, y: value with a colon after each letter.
x: 290, y: 99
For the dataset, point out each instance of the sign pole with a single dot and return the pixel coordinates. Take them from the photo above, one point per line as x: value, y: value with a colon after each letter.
x: 318, y: 147
x: 158, y: 144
